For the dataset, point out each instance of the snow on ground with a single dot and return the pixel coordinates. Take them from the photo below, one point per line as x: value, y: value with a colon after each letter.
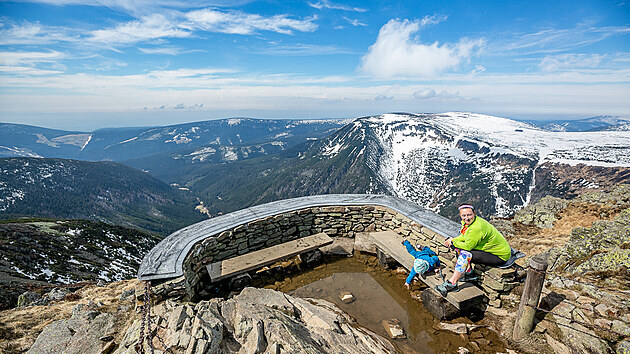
x: 609, y: 148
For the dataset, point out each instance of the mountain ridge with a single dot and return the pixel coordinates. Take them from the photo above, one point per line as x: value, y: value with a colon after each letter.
x: 103, y: 191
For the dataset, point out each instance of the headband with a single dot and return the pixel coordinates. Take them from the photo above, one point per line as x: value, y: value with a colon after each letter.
x: 466, y: 206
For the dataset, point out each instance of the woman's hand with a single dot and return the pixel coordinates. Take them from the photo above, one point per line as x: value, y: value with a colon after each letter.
x: 407, y: 285
x: 448, y: 242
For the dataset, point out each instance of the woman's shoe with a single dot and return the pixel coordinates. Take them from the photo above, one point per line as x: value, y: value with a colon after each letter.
x: 445, y: 287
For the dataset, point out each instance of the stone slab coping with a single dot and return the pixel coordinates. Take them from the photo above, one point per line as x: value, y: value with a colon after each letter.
x: 390, y: 243
x: 166, y: 259
x: 258, y: 259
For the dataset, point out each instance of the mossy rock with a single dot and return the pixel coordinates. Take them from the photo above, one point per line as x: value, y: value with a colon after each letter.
x: 602, y: 262
x: 543, y: 213
x: 596, y: 249
x: 618, y: 196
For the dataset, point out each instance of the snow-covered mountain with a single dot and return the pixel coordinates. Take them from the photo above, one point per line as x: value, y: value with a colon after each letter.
x: 440, y: 160
x: 199, y: 140
x: 581, y: 125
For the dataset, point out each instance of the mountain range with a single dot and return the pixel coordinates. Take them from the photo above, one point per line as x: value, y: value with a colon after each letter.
x: 435, y: 160
x: 103, y: 191
x: 119, y: 144
x: 598, y: 123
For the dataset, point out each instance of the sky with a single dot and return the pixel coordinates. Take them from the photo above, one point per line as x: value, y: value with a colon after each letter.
x: 88, y: 64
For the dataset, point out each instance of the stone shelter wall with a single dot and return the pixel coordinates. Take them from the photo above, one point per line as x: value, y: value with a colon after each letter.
x: 335, y: 221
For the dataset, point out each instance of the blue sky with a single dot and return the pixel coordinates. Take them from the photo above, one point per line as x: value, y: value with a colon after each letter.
x: 86, y: 64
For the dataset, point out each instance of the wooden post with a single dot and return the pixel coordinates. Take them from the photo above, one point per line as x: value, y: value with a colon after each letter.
x: 531, y: 296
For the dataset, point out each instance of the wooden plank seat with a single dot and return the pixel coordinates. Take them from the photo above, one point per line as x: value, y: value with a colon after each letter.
x: 258, y: 259
x: 389, y: 242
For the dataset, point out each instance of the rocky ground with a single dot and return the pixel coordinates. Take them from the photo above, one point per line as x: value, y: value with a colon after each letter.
x: 586, y: 241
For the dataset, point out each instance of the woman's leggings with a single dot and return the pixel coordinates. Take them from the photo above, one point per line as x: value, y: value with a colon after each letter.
x: 475, y: 256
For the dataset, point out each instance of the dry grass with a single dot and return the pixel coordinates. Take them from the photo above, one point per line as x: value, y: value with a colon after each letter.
x: 532, y: 240
x: 20, y: 327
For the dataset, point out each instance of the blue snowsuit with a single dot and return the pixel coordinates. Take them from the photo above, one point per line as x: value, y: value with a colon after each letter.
x: 426, y: 254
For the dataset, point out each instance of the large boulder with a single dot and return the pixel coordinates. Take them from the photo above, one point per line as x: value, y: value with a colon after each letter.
x: 618, y: 196
x: 601, y: 248
x: 257, y: 321
x: 87, y: 331
x: 543, y: 213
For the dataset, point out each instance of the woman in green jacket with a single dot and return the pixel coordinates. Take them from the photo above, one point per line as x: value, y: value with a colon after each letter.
x: 478, y: 242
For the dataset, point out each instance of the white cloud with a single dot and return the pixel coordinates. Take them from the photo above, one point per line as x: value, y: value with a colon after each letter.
x: 396, y: 54
x: 354, y: 22
x: 189, y: 73
x: 432, y: 20
x: 28, y: 58
x: 570, y: 62
x: 383, y: 98
x: 559, y: 40
x: 299, y: 49
x: 478, y: 69
x: 166, y: 50
x: 33, y: 33
x: 243, y: 23
x: 325, y: 4
x: 140, y: 7
x: 423, y: 94
x: 26, y: 71
x: 149, y: 27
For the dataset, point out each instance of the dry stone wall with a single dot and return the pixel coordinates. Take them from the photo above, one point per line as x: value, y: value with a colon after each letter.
x: 335, y: 221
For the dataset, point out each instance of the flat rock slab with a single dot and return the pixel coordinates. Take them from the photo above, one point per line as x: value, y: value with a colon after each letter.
x: 390, y: 243
x: 258, y: 259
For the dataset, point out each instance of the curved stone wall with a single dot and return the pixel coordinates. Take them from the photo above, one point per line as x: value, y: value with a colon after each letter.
x: 335, y: 221
x: 270, y: 224
x: 244, y: 230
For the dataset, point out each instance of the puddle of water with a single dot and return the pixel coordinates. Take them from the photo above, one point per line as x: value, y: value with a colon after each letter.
x: 380, y: 295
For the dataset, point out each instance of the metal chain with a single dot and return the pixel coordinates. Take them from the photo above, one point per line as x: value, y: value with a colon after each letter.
x: 140, y: 344
x: 626, y: 293
x: 572, y: 320
x: 147, y: 313
x: 146, y: 333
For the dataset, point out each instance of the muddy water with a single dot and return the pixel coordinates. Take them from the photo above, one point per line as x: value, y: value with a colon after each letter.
x: 380, y: 295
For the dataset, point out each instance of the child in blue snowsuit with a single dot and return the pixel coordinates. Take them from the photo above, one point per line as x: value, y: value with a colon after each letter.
x: 425, y: 260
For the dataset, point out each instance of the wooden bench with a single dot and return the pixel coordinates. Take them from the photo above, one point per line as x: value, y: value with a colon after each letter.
x: 389, y: 242
x: 258, y: 259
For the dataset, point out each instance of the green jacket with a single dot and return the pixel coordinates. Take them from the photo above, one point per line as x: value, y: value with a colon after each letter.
x: 481, y: 235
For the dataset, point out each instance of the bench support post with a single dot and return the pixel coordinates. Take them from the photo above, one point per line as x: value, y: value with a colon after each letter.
x: 531, y: 297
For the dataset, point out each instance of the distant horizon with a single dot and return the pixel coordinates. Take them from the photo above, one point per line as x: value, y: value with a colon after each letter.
x: 71, y: 124
x: 86, y: 64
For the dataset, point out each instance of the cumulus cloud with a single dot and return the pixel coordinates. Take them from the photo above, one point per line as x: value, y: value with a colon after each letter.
x: 569, y: 62
x: 236, y: 22
x: 396, y: 54
x: 325, y: 4
x: 424, y: 94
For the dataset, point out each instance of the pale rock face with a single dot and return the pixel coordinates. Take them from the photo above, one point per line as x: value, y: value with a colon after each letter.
x: 79, y: 334
x: 260, y: 321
